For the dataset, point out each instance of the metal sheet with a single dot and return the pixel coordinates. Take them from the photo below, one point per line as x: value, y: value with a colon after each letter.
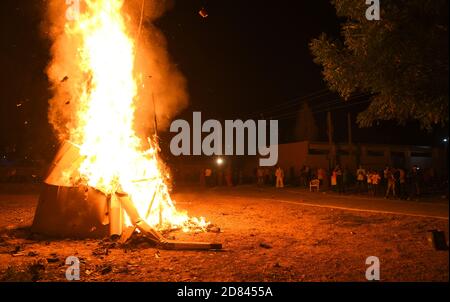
x: 74, y: 212
x: 63, y: 171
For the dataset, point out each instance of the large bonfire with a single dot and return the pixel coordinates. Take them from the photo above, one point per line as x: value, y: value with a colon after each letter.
x: 114, y: 158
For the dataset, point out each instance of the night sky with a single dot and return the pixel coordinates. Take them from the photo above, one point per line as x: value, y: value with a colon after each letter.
x: 245, y: 59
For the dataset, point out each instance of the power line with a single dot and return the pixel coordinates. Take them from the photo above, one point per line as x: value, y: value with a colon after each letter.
x: 339, y: 100
x: 292, y: 102
x: 344, y: 106
x: 334, y: 101
x: 329, y: 105
x: 291, y: 115
x: 326, y: 110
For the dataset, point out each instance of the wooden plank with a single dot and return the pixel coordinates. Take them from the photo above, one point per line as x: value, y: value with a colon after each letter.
x: 139, y: 223
x: 181, y: 245
x: 149, y: 232
x: 126, y: 234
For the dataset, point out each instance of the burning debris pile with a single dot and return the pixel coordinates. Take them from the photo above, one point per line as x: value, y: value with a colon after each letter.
x: 105, y: 179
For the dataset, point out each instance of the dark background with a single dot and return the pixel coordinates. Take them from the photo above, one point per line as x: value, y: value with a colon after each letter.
x: 243, y: 60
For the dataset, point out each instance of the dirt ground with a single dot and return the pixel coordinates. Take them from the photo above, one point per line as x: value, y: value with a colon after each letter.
x: 263, y: 240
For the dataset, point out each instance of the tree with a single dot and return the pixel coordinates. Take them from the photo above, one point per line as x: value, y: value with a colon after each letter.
x: 401, y: 61
x: 306, y: 128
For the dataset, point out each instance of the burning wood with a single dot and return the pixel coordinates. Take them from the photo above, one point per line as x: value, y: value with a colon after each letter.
x: 105, y: 178
x: 67, y: 208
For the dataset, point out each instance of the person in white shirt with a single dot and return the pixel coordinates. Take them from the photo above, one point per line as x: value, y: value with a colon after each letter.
x: 360, y: 179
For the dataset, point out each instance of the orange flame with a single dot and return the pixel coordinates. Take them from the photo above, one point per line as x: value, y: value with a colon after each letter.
x: 115, y: 157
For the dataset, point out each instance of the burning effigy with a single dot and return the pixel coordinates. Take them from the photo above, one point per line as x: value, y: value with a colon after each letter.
x: 107, y: 178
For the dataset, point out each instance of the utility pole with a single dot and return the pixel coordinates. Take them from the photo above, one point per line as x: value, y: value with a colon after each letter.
x: 349, y: 128
x: 332, y: 151
x: 154, y: 115
x: 349, y: 134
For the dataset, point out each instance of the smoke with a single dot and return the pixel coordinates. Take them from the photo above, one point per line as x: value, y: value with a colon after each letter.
x: 160, y: 84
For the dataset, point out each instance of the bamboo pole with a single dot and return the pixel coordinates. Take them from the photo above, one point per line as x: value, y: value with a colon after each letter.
x: 115, y: 216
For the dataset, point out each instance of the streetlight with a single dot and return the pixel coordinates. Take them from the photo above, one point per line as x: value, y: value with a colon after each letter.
x: 219, y: 161
x: 445, y: 142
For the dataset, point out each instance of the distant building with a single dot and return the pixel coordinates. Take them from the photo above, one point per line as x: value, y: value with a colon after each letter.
x: 317, y: 154
x: 292, y: 156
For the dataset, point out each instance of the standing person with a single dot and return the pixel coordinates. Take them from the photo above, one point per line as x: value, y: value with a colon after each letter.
x: 333, y: 181
x: 415, y: 188
x: 267, y: 176
x: 307, y: 175
x: 321, y: 175
x: 428, y: 180
x: 202, y: 178
x: 390, y: 183
x: 219, y: 177
x: 432, y: 175
x: 369, y: 182
x: 292, y: 179
x: 345, y: 179
x: 376, y: 179
x: 339, y: 179
x: 396, y: 174
x: 303, y: 176
x: 360, y: 177
x: 260, y: 176
x: 229, y: 175
x: 401, y: 183
x: 208, y: 177
x: 279, y: 174
x: 385, y: 177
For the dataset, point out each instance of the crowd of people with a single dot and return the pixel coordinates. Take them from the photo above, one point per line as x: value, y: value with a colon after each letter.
x: 390, y: 182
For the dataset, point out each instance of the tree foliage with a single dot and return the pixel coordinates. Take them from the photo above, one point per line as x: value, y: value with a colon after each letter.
x: 400, y: 60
